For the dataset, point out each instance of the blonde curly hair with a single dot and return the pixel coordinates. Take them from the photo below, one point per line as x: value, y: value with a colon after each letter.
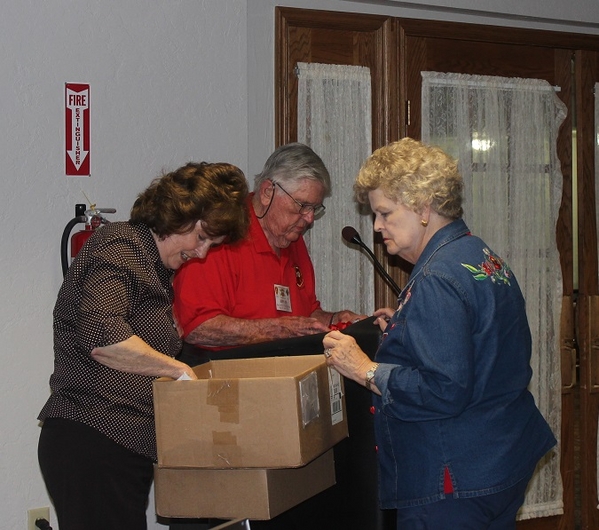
x: 415, y: 175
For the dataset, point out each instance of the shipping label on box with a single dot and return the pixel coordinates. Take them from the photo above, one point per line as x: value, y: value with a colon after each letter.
x: 336, y: 392
x: 272, y: 412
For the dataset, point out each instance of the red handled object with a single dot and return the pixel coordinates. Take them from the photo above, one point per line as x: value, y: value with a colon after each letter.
x: 92, y: 218
x: 78, y: 239
x: 340, y: 326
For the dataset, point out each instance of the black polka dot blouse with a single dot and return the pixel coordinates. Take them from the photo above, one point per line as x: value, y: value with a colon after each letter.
x: 116, y: 287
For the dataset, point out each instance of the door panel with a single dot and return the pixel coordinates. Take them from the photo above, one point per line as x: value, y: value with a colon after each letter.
x: 397, y: 51
x: 336, y: 38
x: 472, y: 52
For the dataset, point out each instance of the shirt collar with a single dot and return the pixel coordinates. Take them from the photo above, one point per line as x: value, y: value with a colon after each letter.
x: 149, y: 245
x: 442, y: 237
x: 256, y: 233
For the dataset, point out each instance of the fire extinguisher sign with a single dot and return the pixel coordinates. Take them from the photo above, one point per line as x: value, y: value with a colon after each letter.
x: 77, y: 124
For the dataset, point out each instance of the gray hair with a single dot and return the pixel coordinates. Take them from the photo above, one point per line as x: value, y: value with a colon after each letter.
x: 291, y: 163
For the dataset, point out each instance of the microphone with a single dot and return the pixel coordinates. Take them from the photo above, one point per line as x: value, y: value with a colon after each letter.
x: 350, y: 234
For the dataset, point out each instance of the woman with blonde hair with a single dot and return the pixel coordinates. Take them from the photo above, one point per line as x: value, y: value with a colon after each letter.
x: 458, y: 432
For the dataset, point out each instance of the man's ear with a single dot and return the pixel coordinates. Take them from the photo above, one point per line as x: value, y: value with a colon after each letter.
x: 267, y: 188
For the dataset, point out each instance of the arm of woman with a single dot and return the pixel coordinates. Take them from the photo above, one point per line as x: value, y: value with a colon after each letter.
x: 123, y: 318
x: 427, y: 356
x: 136, y: 356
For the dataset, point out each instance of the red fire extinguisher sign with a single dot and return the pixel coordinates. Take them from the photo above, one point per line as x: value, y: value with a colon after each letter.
x: 77, y: 124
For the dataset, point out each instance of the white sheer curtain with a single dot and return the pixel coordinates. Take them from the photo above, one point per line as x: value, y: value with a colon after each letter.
x: 503, y: 132
x: 334, y: 118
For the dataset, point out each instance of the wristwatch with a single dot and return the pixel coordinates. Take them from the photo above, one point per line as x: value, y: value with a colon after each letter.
x: 370, y: 376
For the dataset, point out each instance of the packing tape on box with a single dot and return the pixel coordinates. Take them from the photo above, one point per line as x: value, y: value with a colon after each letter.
x: 224, y: 394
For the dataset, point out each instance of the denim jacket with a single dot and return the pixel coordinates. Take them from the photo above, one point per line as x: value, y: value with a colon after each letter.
x: 453, y: 373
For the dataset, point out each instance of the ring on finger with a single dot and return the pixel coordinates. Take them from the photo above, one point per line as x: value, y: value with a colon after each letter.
x: 327, y: 352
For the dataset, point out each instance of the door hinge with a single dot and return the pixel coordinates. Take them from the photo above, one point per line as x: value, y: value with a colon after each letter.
x: 593, y: 342
x: 568, y: 350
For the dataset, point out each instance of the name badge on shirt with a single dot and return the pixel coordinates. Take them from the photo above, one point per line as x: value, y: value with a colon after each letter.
x: 282, y: 298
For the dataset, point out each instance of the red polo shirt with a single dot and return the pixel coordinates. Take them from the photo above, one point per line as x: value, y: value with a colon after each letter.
x: 239, y: 281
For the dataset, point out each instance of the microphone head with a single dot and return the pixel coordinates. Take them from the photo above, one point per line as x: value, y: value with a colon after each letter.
x: 350, y: 234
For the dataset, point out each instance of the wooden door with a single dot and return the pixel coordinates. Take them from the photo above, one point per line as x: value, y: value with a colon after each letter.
x: 397, y: 51
x: 566, y: 61
x: 338, y: 38
x: 467, y: 49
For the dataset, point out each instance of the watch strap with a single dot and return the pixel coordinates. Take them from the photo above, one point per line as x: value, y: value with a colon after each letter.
x: 370, y: 376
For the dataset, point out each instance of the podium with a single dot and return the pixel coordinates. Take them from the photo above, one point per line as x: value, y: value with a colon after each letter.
x: 353, y: 501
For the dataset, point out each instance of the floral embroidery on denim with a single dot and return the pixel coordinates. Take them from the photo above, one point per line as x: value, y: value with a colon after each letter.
x: 405, y: 299
x: 493, y: 267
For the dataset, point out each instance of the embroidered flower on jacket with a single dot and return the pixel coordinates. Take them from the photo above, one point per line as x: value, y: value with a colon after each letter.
x: 404, y: 300
x: 493, y: 267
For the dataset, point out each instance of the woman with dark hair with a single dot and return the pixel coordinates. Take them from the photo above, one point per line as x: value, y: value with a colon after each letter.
x: 114, y: 333
x: 457, y: 430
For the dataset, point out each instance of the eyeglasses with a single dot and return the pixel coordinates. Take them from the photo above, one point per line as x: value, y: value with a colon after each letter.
x: 318, y: 209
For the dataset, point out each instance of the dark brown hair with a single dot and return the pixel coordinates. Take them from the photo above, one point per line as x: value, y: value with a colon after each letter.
x: 213, y: 193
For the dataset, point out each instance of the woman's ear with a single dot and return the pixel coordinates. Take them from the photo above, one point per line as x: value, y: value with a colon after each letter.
x: 425, y: 215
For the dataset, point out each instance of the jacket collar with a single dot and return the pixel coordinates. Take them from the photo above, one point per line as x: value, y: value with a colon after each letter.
x: 442, y: 237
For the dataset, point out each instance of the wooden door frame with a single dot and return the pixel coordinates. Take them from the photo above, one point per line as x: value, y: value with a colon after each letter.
x: 587, y: 74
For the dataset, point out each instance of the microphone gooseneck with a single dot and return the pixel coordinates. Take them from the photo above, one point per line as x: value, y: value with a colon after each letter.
x: 350, y: 234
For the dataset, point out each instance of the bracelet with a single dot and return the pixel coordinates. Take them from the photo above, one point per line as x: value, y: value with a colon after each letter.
x: 331, y: 321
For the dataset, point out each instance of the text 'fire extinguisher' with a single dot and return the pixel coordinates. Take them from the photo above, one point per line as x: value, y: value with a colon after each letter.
x: 93, y: 218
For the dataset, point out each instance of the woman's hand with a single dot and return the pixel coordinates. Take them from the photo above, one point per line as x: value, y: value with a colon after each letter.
x: 347, y: 316
x: 383, y: 316
x: 343, y: 353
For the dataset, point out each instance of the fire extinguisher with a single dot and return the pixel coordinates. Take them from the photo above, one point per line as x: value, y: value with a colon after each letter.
x: 92, y: 218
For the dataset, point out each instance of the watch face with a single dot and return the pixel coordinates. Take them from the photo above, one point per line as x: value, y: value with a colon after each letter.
x: 370, y: 375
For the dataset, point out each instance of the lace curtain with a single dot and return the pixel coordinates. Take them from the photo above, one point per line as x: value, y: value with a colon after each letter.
x: 334, y: 118
x: 503, y: 132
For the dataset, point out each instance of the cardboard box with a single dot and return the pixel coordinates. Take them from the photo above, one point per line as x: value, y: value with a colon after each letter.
x: 272, y: 412
x: 239, y: 493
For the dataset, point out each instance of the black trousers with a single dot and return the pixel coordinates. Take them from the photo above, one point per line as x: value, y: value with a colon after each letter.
x: 94, y: 483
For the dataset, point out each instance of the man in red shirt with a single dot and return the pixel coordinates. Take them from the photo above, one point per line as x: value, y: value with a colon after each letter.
x: 262, y: 288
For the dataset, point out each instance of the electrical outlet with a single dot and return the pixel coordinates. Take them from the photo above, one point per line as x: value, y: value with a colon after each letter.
x: 37, y: 513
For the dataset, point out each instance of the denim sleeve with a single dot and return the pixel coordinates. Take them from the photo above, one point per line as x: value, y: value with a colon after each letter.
x: 427, y: 357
